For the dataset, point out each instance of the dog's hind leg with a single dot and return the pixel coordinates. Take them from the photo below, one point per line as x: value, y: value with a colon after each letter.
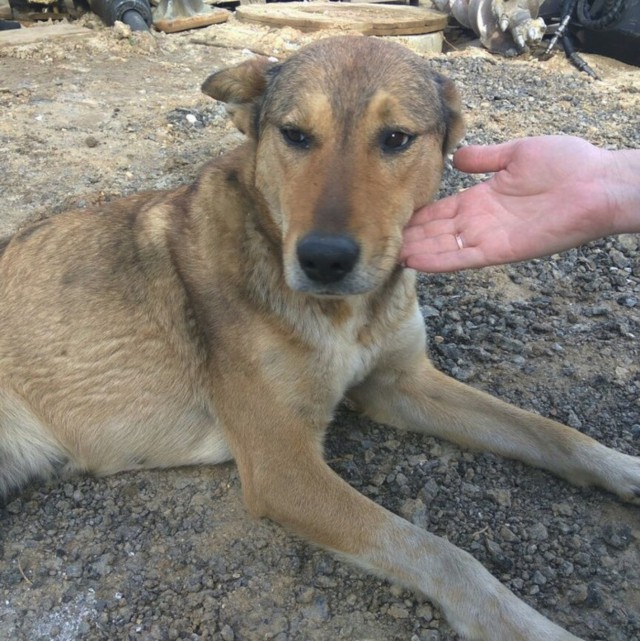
x: 285, y: 478
x: 416, y: 396
x: 27, y: 450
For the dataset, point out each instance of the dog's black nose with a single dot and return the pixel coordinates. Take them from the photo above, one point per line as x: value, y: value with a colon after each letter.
x: 327, y: 258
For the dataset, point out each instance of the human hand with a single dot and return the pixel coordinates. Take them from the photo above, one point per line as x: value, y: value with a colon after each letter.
x: 549, y: 194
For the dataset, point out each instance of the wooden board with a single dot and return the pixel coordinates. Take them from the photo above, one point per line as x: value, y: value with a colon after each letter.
x: 204, y: 19
x: 368, y: 19
x: 56, y: 31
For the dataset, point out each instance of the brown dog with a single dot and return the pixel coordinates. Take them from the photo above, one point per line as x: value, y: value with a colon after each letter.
x: 230, y: 317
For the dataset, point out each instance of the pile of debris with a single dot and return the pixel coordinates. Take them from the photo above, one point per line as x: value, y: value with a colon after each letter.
x: 505, y: 27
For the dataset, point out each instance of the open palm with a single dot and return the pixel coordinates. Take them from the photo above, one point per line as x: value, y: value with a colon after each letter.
x: 548, y: 194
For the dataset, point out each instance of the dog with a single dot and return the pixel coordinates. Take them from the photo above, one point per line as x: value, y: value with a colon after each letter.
x: 228, y: 318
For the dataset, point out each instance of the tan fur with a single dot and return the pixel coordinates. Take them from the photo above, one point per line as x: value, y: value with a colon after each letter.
x: 184, y: 327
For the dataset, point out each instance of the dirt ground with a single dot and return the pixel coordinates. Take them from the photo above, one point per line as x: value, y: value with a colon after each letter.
x: 173, y: 555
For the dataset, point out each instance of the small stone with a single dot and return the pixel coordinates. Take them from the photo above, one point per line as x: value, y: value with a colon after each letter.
x: 499, y: 558
x: 628, y: 301
x: 429, y: 312
x: 538, y: 532
x: 595, y: 598
x: 629, y: 242
x: 74, y: 571
x: 597, y: 310
x: 539, y: 578
x: 619, y: 259
x: 227, y: 633
x: 306, y: 595
x: 564, y: 509
x: 318, y: 610
x: 425, y: 611
x: 15, y: 507
x: 122, y: 31
x: 573, y: 420
x: 500, y: 496
x: 398, y: 612
x: 507, y: 535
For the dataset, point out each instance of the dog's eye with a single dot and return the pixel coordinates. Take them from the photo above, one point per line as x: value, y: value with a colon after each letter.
x: 396, y: 140
x: 295, y: 137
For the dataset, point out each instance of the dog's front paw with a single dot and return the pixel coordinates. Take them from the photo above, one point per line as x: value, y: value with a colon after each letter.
x: 513, y: 620
x: 617, y: 472
x: 628, y: 483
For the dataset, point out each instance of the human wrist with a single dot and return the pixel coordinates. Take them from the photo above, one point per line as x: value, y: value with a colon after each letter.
x: 621, y: 185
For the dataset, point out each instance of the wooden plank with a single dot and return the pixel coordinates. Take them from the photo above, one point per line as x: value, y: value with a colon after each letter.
x: 368, y: 19
x: 184, y: 23
x: 30, y: 35
x: 400, y: 2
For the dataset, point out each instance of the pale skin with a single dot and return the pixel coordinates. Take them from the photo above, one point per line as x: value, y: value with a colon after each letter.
x: 547, y: 194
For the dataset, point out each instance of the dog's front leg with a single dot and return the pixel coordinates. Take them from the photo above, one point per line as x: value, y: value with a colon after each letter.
x: 285, y: 478
x: 408, y: 392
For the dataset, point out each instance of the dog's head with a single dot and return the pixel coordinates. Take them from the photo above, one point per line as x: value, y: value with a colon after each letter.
x: 350, y: 138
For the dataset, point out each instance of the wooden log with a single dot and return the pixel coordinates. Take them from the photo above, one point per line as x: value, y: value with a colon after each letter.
x: 184, y: 23
x: 368, y: 19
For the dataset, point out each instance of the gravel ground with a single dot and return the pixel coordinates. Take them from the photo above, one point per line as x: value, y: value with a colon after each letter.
x: 173, y: 555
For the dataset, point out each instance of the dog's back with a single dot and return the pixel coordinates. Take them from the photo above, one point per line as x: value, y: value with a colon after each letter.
x: 98, y: 342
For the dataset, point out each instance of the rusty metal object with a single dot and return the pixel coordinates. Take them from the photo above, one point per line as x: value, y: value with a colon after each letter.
x: 508, y: 27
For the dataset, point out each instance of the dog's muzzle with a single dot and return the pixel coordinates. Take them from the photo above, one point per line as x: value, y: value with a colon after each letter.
x: 327, y: 258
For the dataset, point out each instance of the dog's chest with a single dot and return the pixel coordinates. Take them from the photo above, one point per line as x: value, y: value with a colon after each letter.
x: 327, y: 358
x: 310, y: 352
x: 347, y: 355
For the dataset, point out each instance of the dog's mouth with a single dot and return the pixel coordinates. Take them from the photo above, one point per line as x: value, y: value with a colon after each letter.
x: 348, y: 286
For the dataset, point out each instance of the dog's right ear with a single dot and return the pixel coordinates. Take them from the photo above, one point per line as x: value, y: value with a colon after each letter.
x: 451, y: 105
x: 240, y: 88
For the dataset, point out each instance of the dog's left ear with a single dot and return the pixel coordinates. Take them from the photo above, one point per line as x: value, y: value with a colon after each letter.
x: 239, y: 88
x: 454, y: 122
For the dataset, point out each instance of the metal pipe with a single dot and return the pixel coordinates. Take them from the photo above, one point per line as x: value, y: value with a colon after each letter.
x: 135, y: 13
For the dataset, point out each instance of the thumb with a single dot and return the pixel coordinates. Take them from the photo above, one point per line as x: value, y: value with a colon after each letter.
x: 480, y: 159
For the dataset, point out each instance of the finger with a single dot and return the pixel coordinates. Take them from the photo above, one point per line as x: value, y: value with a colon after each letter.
x: 440, y: 209
x: 480, y: 159
x: 468, y: 258
x: 432, y: 245
x: 429, y: 229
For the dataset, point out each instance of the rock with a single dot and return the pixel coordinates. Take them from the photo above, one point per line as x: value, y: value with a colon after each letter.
x: 227, y: 633
x: 538, y: 532
x: 500, y: 496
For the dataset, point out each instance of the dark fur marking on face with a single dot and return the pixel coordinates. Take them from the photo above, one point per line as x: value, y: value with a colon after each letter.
x: 271, y: 76
x: 331, y: 213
